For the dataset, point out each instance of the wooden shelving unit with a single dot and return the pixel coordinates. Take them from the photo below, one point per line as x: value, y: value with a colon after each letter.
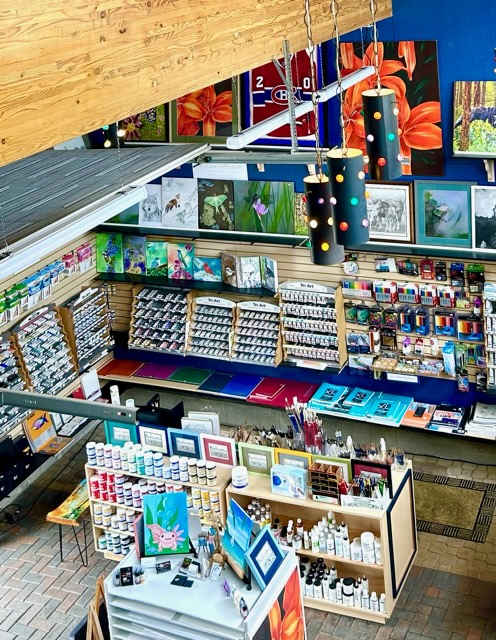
x: 395, y: 527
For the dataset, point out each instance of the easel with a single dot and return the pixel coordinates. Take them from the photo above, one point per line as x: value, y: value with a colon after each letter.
x: 93, y: 626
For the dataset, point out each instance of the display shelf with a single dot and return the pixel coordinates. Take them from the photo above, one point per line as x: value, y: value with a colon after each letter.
x: 117, y: 505
x: 257, y: 337
x: 362, y: 566
x: 354, y: 612
x: 209, y: 311
x: 100, y: 526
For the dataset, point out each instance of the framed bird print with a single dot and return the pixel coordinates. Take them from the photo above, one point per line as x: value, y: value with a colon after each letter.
x: 264, y: 207
x: 267, y: 95
x: 166, y: 523
x: 207, y: 269
x: 208, y: 115
x: 180, y: 261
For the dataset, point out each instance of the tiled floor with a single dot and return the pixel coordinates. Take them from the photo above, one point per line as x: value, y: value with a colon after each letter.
x: 40, y: 598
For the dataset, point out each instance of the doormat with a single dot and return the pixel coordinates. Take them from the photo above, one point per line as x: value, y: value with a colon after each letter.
x: 454, y: 508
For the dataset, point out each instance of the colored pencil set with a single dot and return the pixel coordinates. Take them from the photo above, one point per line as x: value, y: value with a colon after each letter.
x: 385, y: 291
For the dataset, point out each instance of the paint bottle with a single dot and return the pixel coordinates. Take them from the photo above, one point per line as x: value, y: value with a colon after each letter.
x: 346, y: 548
x: 382, y: 603
x: 332, y: 592
x: 299, y: 527
x: 338, y: 542
x: 306, y: 541
x: 356, y: 596
x: 374, y: 602
x: 344, y: 529
x: 365, y: 599
x: 325, y: 587
x: 315, y: 542
x: 309, y: 588
x: 339, y: 591
x: 330, y: 545
x: 333, y: 574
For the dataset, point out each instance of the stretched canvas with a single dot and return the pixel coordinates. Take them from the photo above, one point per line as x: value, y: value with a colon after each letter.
x: 237, y: 537
x: 300, y: 215
x: 166, y: 523
x: 286, y: 617
x: 268, y: 271
x: 180, y: 261
x: 484, y: 217
x: 207, y: 269
x: 264, y: 207
x: 216, y: 204
x: 248, y: 272
x: 409, y: 68
x: 109, y: 257
x: 156, y: 258
x: 180, y: 203
x: 147, y: 126
x: 228, y: 268
x: 474, y: 126
x: 150, y: 209
x: 133, y: 250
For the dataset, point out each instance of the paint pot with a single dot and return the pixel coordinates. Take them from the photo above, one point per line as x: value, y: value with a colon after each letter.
x: 348, y: 585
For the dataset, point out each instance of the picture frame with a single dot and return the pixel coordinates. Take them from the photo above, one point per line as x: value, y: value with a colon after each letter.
x: 218, y: 449
x: 257, y: 458
x: 390, y: 211
x: 359, y: 467
x: 120, y: 433
x: 154, y: 437
x: 264, y: 557
x: 146, y: 127
x: 293, y: 458
x: 184, y: 127
x: 442, y: 213
x: 483, y: 218
x: 473, y: 114
x: 344, y: 463
x: 184, y: 443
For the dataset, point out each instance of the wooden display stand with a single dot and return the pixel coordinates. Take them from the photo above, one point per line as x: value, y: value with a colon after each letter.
x: 259, y: 329
x: 223, y: 479
x: 395, y: 527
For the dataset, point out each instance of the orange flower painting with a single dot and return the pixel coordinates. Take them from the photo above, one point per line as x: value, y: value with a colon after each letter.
x: 285, y: 620
x: 410, y: 69
x: 206, y: 114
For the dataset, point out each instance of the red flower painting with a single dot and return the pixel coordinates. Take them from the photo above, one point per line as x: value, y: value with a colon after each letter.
x: 410, y: 69
x: 285, y: 618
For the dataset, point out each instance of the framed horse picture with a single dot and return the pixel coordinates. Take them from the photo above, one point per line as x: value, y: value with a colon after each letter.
x: 390, y: 211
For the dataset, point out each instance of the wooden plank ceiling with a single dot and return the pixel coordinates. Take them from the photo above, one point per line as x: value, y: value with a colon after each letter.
x: 67, y: 68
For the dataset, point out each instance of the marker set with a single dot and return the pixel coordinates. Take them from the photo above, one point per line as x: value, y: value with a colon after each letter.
x: 385, y: 291
x: 360, y: 289
x: 470, y: 328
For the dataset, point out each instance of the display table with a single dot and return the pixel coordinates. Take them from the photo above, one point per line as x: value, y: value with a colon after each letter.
x: 162, y: 611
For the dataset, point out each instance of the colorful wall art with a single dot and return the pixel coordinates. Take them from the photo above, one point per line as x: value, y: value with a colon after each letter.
x: 410, y: 69
x: 180, y: 203
x: 216, y: 204
x: 156, y: 258
x: 474, y: 126
x: 148, y: 126
x: 180, y: 261
x: 207, y: 269
x: 133, y: 251
x: 166, y: 523
x: 264, y: 207
x: 286, y: 618
x: 109, y: 257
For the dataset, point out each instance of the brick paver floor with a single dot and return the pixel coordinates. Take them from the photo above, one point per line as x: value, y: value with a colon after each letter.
x: 40, y: 598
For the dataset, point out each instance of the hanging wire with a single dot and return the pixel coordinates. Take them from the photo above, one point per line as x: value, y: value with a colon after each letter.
x: 3, y: 231
x: 119, y: 156
x: 373, y: 9
x: 334, y: 13
x: 313, y: 81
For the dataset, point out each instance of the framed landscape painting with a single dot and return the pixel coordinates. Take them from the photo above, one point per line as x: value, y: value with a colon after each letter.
x: 443, y: 211
x: 474, y: 126
x: 484, y: 217
x: 390, y: 211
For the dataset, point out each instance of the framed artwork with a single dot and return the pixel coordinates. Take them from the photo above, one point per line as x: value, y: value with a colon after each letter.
x: 264, y: 207
x: 133, y: 250
x: 148, y: 126
x: 154, y: 437
x: 150, y: 209
x: 483, y: 217
x: 442, y: 213
x: 366, y: 468
x: 156, y: 258
x: 237, y: 537
x: 182, y: 443
x: 344, y: 463
x: 474, y: 124
x: 266, y: 95
x: 293, y: 458
x: 264, y: 557
x: 390, y: 211
x: 180, y: 203
x: 109, y: 258
x: 207, y: 269
x: 166, y: 523
x: 120, y: 433
x: 411, y: 69
x: 256, y: 458
x: 208, y: 115
x: 180, y: 261
x: 216, y: 204
x: 218, y: 449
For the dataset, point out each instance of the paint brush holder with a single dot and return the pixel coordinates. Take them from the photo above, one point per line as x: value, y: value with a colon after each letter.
x: 324, y: 478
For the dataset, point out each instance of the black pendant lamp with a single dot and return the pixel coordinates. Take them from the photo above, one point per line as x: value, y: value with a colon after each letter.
x: 380, y: 118
x: 324, y: 249
x: 348, y: 198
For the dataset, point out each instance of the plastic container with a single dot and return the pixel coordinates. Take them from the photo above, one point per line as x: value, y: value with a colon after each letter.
x: 239, y: 477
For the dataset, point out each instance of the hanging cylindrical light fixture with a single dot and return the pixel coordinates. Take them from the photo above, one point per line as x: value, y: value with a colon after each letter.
x: 348, y: 197
x: 321, y: 229
x: 324, y: 249
x: 380, y: 119
x: 347, y: 178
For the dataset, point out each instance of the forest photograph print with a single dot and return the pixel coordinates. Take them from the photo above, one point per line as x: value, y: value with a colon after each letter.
x: 410, y: 69
x: 474, y: 126
x: 264, y: 207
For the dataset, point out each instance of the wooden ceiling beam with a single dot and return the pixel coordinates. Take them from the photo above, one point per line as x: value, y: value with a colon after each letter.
x: 68, y: 68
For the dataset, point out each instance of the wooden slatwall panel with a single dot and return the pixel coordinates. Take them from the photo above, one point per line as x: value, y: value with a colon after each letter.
x: 293, y: 263
x: 67, y: 287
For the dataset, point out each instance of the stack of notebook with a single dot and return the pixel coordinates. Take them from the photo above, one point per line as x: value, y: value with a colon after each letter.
x: 483, y: 422
x: 388, y: 409
x: 418, y: 414
x: 449, y: 419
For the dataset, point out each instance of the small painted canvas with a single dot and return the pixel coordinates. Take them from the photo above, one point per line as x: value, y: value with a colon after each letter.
x: 156, y: 258
x: 109, y: 257
x: 150, y: 209
x: 133, y: 250
x: 128, y: 216
x: 286, y: 618
x: 484, y: 217
x: 207, y: 269
x: 180, y: 261
x: 237, y: 537
x: 216, y: 204
x: 147, y: 126
x: 180, y: 203
x: 300, y: 215
x: 166, y: 523
x: 264, y: 207
x: 248, y: 272
x: 228, y: 267
x: 474, y: 128
x: 268, y: 270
